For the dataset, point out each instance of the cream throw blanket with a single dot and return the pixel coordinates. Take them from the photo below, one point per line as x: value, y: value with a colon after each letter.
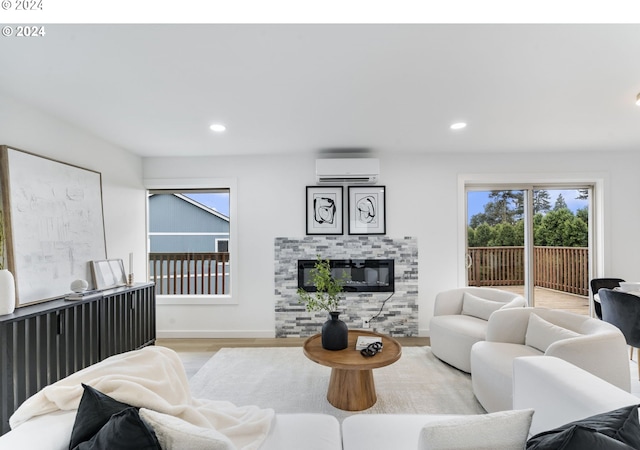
x: 153, y: 378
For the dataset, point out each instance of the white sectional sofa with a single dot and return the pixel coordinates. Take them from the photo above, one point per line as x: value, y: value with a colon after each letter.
x: 556, y: 390
x: 560, y: 392
x: 595, y: 346
x: 288, y: 431
x: 153, y: 378
x: 553, y: 390
x: 460, y: 320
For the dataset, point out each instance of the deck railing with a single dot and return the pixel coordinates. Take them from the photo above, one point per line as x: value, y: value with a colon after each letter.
x: 190, y: 273
x: 563, y: 269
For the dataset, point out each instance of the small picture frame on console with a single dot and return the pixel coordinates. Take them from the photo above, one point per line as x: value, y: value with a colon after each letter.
x: 367, y: 210
x: 108, y: 273
x: 325, y: 210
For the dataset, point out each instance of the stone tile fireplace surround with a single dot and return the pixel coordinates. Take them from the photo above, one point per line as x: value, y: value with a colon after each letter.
x: 399, y: 316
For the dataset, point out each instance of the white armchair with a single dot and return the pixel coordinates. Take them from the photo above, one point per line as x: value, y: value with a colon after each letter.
x: 460, y: 320
x: 591, y: 344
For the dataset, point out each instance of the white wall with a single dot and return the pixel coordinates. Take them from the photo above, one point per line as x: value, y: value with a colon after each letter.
x: 124, y: 198
x: 423, y: 200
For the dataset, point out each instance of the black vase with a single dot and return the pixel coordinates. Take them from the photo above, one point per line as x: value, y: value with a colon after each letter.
x: 335, y: 334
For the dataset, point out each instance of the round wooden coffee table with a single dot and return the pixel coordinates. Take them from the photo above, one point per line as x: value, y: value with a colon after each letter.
x: 351, y: 387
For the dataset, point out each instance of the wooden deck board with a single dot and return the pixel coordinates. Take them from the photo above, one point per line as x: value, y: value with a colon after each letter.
x: 548, y: 298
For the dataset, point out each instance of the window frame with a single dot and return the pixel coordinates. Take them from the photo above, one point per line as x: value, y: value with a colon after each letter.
x: 599, y: 183
x: 177, y: 184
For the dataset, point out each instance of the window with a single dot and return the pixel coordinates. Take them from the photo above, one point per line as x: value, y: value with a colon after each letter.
x: 222, y: 245
x: 189, y: 232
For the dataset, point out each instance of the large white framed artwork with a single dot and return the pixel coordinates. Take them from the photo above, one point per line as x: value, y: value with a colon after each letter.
x: 325, y: 210
x: 53, y: 223
x: 367, y: 210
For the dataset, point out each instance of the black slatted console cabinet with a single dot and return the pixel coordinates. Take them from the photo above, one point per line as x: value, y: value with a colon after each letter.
x: 43, y: 343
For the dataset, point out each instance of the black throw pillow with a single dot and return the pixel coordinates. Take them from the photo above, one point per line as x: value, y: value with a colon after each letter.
x: 577, y: 437
x: 94, y: 411
x: 602, y: 431
x: 123, y: 431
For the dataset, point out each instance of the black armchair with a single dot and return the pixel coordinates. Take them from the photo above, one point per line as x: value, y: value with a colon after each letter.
x: 623, y: 310
x: 599, y: 283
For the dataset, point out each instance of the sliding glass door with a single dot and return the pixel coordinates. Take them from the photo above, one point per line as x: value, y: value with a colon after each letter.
x: 533, y: 240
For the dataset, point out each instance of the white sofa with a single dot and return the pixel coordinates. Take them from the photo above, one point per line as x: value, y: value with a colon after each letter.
x: 288, y: 431
x: 560, y: 392
x: 154, y: 378
x: 556, y: 390
x: 460, y: 320
x: 595, y: 346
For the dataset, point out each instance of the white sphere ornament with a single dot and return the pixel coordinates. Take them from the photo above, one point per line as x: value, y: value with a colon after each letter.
x: 7, y: 292
x: 79, y: 285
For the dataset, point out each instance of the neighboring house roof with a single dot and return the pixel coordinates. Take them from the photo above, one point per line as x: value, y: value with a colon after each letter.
x: 178, y: 213
x: 201, y: 206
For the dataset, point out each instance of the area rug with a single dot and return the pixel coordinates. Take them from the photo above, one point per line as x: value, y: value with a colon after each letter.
x: 285, y: 380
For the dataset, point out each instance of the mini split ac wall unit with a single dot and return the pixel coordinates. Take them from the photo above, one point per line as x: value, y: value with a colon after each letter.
x: 348, y: 170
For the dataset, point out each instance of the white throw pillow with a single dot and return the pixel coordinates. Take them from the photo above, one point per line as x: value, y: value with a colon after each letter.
x: 481, y: 308
x: 503, y: 430
x: 175, y: 433
x: 541, y: 333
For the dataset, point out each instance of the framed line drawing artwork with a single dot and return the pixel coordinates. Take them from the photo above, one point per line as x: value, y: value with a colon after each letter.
x: 325, y: 210
x: 108, y: 273
x: 367, y: 210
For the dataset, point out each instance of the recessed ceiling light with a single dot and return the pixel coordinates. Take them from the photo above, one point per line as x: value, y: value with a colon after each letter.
x: 458, y: 125
x: 217, y: 127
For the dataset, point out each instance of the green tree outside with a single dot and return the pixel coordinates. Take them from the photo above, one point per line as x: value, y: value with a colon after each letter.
x: 560, y: 203
x: 501, y: 223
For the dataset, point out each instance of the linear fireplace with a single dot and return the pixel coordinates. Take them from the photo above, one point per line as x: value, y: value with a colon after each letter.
x: 363, y: 275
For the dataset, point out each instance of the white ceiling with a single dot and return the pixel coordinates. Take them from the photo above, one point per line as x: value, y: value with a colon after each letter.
x: 155, y: 89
